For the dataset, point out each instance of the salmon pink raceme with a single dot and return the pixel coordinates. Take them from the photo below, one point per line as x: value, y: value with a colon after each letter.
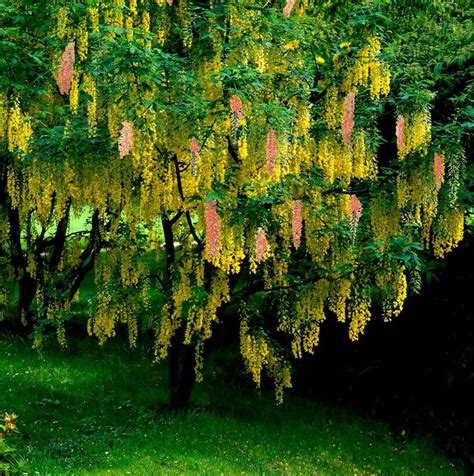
x: 355, y: 213
x: 261, y: 245
x: 271, y: 151
x: 400, y: 132
x: 297, y: 223
x: 66, y: 69
x: 348, y: 118
x: 288, y: 7
x: 236, y: 106
x: 438, y: 170
x: 213, y: 229
x: 125, y: 143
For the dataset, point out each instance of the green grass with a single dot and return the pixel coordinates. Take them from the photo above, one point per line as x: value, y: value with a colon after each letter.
x: 98, y: 412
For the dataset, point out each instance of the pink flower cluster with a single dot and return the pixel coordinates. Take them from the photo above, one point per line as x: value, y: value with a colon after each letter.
x: 356, y: 207
x: 194, y: 146
x: 356, y: 213
x: 271, y: 151
x: 288, y: 7
x: 400, y: 132
x: 261, y: 245
x: 125, y: 142
x: 236, y: 115
x: 297, y: 223
x: 213, y: 229
x: 66, y: 69
x: 236, y: 107
x: 348, y: 118
x: 438, y: 170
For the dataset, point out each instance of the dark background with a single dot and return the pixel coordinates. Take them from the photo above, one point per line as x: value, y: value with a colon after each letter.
x: 417, y: 371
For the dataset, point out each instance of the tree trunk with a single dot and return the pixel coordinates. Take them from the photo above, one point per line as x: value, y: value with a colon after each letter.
x: 27, y: 284
x: 27, y: 291
x: 181, y: 373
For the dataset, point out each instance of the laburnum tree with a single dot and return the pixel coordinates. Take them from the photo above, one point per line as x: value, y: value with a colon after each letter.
x: 277, y: 159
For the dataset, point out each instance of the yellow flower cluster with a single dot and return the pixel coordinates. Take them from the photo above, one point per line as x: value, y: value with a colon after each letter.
x: 167, y: 328
x: 13, y: 188
x: 301, y: 7
x: 121, y: 306
x: 417, y: 134
x: 309, y: 310
x: 417, y: 189
x: 254, y: 350
x: 102, y: 325
x: 379, y: 79
x: 74, y: 92
x: 130, y: 271
x: 90, y: 89
x: 220, y: 294
x: 3, y: 117
x: 82, y: 40
x: 116, y: 14
x: 292, y: 45
x: 318, y: 240
x: 194, y: 322
x: 129, y: 27
x: 281, y: 375
x: 393, y: 283
x: 93, y: 14
x: 199, y: 360
x: 417, y: 196
x: 326, y: 158
x: 257, y: 355
x: 182, y: 289
x: 333, y: 108
x: 132, y: 6
x: 369, y: 69
x: 146, y: 28
x: 19, y: 130
x: 231, y: 251
x: 448, y: 230
x: 200, y: 318
x: 343, y: 163
x: 339, y: 295
x: 384, y: 217
x: 359, y: 314
x: 364, y: 161
x: 62, y: 22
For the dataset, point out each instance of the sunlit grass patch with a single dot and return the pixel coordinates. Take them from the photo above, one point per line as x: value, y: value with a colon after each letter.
x: 87, y: 410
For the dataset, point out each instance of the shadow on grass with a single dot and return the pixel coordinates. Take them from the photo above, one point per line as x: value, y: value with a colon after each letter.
x: 87, y: 410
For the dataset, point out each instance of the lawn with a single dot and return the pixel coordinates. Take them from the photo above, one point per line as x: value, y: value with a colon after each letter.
x: 86, y: 410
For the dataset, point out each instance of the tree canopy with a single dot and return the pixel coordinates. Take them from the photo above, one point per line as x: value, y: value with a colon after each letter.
x: 286, y: 161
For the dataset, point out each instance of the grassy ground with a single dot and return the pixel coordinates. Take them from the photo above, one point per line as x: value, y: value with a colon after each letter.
x: 97, y: 411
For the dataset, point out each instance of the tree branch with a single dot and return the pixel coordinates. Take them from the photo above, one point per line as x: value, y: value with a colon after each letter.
x: 181, y: 193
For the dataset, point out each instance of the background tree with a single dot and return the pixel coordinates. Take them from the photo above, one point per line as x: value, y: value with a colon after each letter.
x: 239, y: 155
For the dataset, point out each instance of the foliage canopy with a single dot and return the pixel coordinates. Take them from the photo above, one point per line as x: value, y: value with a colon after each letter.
x: 304, y: 159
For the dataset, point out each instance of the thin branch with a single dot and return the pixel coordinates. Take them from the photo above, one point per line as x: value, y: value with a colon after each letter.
x: 232, y: 151
x: 181, y: 193
x: 81, y: 232
x: 176, y: 217
x: 344, y: 191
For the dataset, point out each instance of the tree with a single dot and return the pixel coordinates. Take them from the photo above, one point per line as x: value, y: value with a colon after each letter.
x: 245, y: 154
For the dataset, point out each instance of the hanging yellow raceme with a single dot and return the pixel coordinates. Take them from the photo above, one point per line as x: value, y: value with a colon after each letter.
x: 19, y: 130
